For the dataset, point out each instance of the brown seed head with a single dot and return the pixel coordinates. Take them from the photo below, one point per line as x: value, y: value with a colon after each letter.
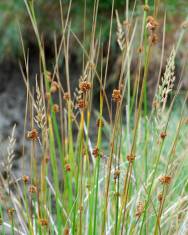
x: 139, y: 209
x: 100, y: 123
x: 33, y: 134
x: 66, y: 231
x: 163, y: 135
x: 82, y: 104
x: 116, y: 95
x: 66, y: 96
x: 116, y: 174
x: 165, y: 179
x: 130, y: 158
x: 47, y: 96
x: 146, y: 7
x: 85, y: 86
x: 43, y: 222
x: 25, y: 179
x: 56, y: 108
x: 152, y: 24
x: 140, y: 49
x: 153, y: 39
x: 10, y: 212
x: 54, y: 87
x: 160, y: 197
x: 95, y: 151
x: 1, y: 221
x: 33, y: 189
x: 67, y: 167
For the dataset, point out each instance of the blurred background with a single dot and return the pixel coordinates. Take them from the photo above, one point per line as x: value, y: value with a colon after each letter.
x: 14, y: 20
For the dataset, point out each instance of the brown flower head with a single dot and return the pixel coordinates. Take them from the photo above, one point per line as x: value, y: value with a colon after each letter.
x: 153, y: 38
x: 47, y: 96
x: 160, y: 197
x: 163, y: 135
x: 43, y: 222
x: 130, y: 158
x: 116, y: 95
x: 66, y: 96
x: 82, y: 104
x: 33, y: 134
x: 152, y: 24
x: 139, y: 209
x: 10, y: 212
x: 56, y: 108
x: 85, y: 86
x: 67, y: 167
x: 33, y: 189
x: 54, y: 87
x: 146, y: 7
x: 140, y: 49
x: 25, y: 179
x: 165, y: 179
x: 116, y: 174
x: 66, y: 231
x: 95, y: 151
x: 100, y: 123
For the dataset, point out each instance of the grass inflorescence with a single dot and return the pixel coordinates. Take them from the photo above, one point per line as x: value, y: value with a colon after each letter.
x: 112, y: 164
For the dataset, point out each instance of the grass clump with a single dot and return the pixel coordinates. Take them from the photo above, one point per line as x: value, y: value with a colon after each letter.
x: 128, y: 175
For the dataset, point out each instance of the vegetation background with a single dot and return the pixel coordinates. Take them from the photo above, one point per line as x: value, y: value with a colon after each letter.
x: 99, y: 150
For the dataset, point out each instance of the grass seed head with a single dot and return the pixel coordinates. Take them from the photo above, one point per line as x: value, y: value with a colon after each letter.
x: 163, y: 135
x: 32, y: 135
x: 116, y: 174
x: 153, y: 39
x: 33, y: 189
x: 165, y: 179
x: 66, y: 231
x: 25, y: 179
x: 85, y: 86
x: 146, y: 7
x: 160, y: 197
x: 43, y: 222
x: 100, y: 123
x: 139, y: 209
x: 116, y: 95
x: 95, y: 151
x: 54, y: 87
x: 10, y: 212
x: 152, y: 24
x: 130, y: 158
x: 81, y: 104
x: 56, y: 108
x: 68, y: 167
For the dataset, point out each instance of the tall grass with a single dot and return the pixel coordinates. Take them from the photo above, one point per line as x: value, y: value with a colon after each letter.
x: 128, y: 175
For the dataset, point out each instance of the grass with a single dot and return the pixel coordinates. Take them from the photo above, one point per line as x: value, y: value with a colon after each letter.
x: 129, y: 174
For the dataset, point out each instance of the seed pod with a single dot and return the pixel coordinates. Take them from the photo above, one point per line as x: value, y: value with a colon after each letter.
x: 54, y: 87
x: 165, y: 179
x: 25, y: 179
x: 33, y: 134
x: 56, y: 108
x: 116, y: 95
